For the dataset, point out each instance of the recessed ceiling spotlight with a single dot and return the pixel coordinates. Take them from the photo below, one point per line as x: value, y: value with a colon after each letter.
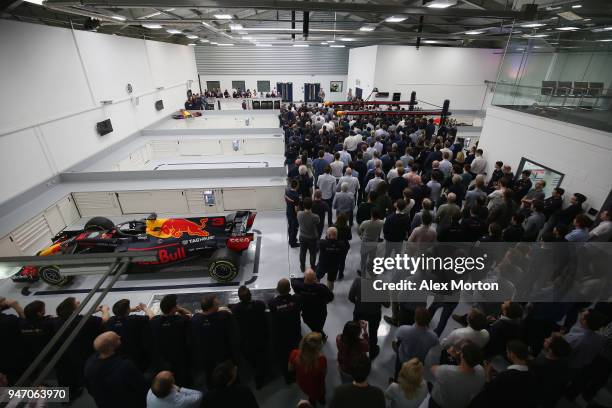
x: 567, y: 28
x: 347, y: 39
x: 173, y: 31
x: 520, y: 49
x: 223, y: 16
x: 474, y: 32
x: 533, y: 25
x: 331, y: 41
x: 152, y: 26
x: 367, y: 28
x: 430, y: 42
x: 192, y: 37
x: 394, y: 19
x: 191, y: 44
x: 337, y: 46
x: 119, y: 18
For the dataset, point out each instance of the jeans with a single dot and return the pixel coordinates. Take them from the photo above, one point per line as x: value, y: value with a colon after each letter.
x: 368, y: 253
x: 310, y: 245
x: 393, y: 247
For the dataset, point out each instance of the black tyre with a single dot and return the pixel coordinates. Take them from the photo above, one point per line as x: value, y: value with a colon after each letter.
x: 224, y: 265
x: 99, y: 224
x: 52, y: 275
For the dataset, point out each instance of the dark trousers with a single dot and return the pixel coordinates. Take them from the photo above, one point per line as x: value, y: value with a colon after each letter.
x: 258, y: 360
x: 282, y: 350
x: 329, y: 202
x: 292, y: 229
x: 315, y: 321
x: 310, y: 245
x: 343, y: 262
x: 447, y: 311
x: 373, y: 323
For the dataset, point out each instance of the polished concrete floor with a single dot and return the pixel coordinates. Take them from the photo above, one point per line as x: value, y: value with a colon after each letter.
x: 276, y: 260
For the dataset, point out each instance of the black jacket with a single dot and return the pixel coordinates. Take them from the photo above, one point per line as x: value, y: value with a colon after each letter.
x: 396, y: 227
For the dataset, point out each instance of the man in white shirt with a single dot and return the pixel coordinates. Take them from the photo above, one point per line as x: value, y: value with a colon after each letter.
x: 327, y: 184
x: 373, y: 184
x: 345, y: 157
x: 350, y: 180
x: 479, y: 164
x: 393, y: 172
x: 445, y: 165
x: 164, y: 393
x: 351, y: 143
x: 475, y: 332
x: 603, y: 231
x: 337, y: 166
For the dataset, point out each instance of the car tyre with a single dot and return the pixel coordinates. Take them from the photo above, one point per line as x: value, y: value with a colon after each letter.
x: 224, y: 265
x: 99, y: 224
x: 52, y: 275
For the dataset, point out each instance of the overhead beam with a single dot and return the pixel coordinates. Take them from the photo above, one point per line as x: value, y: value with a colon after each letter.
x: 295, y: 5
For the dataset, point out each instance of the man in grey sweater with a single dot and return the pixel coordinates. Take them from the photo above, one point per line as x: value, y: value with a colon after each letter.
x: 369, y: 231
x: 309, y: 234
x: 535, y: 222
x: 344, y: 202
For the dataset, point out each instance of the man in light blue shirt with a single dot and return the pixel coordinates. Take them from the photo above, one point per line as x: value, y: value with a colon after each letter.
x: 164, y: 393
x: 581, y: 231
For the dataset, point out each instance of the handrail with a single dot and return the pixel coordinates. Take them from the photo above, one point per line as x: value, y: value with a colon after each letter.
x: 486, y: 81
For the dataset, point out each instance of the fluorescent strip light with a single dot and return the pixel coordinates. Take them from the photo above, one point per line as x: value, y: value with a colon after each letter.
x: 331, y: 41
x: 535, y: 35
x: 225, y: 45
x: 204, y: 40
x: 192, y: 37
x: 607, y: 29
x: 214, y: 43
x: 152, y: 26
x: 246, y: 37
x: 173, y: 31
x: 191, y: 44
x: 567, y: 28
x: 347, y: 39
x: 170, y: 9
x: 120, y: 18
x: 441, y: 4
x: 300, y: 45
x: 569, y: 15
x: 394, y: 19
x: 366, y: 28
x: 337, y: 46
x: 474, y: 32
x: 533, y: 25
x: 324, y: 43
x: 263, y: 45
x: 223, y: 16
x: 39, y: 2
x: 606, y: 40
x: 236, y: 27
x: 576, y: 6
x: 430, y: 42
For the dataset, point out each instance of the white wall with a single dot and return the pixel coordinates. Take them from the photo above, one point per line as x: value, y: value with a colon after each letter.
x: 297, y: 80
x: 362, y: 68
x: 582, y: 154
x: 437, y: 73
x: 53, y: 82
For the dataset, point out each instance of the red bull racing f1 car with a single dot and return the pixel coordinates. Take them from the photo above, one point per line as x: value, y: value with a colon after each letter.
x: 219, y: 238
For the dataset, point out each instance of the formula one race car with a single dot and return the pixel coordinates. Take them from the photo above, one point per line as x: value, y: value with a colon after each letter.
x: 218, y: 238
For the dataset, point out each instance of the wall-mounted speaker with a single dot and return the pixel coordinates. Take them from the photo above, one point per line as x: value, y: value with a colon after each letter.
x: 159, y: 105
x: 104, y: 127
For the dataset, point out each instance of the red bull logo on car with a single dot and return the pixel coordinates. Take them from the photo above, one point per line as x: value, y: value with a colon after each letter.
x: 176, y: 227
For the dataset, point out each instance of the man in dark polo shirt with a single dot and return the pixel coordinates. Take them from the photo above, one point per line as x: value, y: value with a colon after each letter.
x: 315, y: 297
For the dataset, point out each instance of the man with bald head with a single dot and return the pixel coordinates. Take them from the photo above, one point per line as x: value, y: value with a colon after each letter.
x: 315, y: 297
x: 164, y: 393
x: 111, y: 380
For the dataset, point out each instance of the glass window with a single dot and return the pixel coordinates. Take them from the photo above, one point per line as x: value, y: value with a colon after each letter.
x: 210, y: 85
x: 552, y: 177
x: 263, y: 86
x: 239, y: 85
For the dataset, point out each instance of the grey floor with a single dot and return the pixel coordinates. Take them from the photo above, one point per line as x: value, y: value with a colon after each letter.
x: 277, y: 260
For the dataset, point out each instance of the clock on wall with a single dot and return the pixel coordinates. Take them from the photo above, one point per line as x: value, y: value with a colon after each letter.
x: 129, y: 88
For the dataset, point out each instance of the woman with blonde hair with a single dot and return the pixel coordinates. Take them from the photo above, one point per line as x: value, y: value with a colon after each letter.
x: 310, y: 367
x: 410, y: 389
